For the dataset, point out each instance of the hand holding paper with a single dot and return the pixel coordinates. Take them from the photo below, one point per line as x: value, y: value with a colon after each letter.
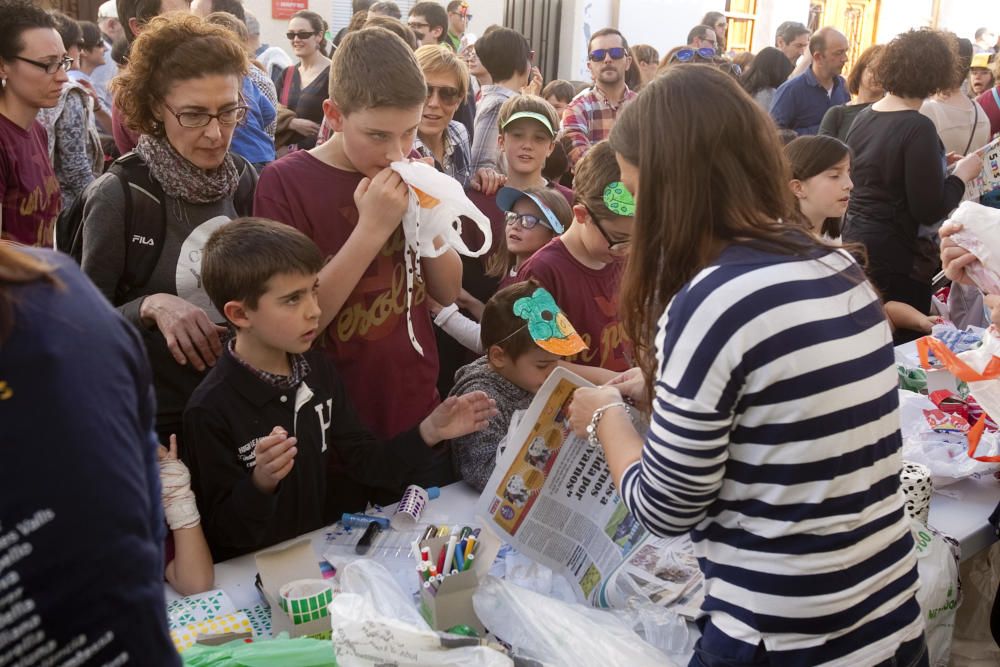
x: 586, y: 401
x: 381, y: 202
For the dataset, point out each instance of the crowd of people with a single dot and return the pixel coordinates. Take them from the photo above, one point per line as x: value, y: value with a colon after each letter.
x: 738, y: 240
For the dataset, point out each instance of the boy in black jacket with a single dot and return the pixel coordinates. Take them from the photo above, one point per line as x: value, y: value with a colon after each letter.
x: 274, y: 446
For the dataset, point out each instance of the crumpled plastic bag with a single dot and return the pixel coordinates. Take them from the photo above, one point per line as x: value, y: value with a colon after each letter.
x: 980, y: 235
x: 437, y: 204
x: 945, y: 454
x: 662, y: 628
x: 375, y: 623
x: 278, y: 652
x: 560, y: 633
x: 939, y: 594
x: 972, y: 644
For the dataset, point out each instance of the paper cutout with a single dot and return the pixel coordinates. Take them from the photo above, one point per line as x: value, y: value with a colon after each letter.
x: 186, y: 637
x: 619, y: 200
x: 437, y: 204
x: 197, y: 608
x: 547, y: 325
x: 260, y: 621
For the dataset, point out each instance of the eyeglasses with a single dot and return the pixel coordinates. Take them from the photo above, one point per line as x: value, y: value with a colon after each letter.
x: 526, y: 220
x: 467, y: 17
x: 302, y: 34
x: 447, y: 94
x: 616, y: 53
x: 193, y: 119
x: 418, y: 25
x: 687, y: 55
x: 50, y: 68
x: 613, y: 246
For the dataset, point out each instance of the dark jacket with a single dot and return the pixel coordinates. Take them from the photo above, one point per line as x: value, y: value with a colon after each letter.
x: 337, y: 456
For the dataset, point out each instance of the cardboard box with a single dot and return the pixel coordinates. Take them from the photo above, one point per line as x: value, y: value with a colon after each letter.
x: 452, y: 604
x: 278, y: 567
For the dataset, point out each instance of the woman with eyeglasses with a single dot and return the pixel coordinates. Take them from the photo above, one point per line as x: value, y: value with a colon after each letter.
x: 33, y: 64
x: 145, y: 223
x: 304, y: 86
x: 74, y: 144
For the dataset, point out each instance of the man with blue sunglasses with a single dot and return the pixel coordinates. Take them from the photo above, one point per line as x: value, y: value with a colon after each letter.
x: 590, y: 116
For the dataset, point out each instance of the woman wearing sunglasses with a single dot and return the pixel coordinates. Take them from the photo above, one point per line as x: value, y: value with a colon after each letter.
x: 144, y: 224
x: 439, y: 135
x: 33, y: 66
x: 303, y: 87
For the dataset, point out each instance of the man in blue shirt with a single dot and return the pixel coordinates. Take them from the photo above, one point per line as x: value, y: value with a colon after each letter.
x: 800, y: 103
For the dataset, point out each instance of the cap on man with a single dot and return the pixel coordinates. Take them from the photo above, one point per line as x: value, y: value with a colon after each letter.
x: 800, y: 103
x: 792, y: 38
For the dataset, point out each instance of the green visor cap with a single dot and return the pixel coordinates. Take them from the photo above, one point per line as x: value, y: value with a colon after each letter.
x: 533, y: 116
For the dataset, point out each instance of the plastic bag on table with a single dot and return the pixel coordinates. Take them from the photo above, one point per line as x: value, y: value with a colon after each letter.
x: 972, y: 644
x: 661, y: 628
x: 980, y: 235
x: 945, y: 454
x: 559, y: 633
x: 939, y: 594
x: 279, y: 652
x: 375, y: 623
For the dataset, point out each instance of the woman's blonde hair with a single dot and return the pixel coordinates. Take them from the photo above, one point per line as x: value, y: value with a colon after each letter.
x: 439, y: 59
x: 171, y: 48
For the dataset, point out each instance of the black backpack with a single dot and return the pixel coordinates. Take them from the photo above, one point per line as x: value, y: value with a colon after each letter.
x: 145, y: 218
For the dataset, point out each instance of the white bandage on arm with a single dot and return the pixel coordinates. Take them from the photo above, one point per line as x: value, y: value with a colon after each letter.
x: 460, y: 327
x: 179, y: 506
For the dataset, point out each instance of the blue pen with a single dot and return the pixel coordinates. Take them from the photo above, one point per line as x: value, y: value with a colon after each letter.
x: 459, y: 559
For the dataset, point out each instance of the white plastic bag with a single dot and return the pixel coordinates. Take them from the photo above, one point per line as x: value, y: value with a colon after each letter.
x: 939, y: 594
x: 375, y: 623
x: 986, y: 392
x: 560, y: 633
x: 437, y: 204
x: 973, y: 644
x: 980, y: 235
x: 945, y: 454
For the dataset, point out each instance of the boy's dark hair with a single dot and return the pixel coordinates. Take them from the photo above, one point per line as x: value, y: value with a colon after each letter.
x: 918, y: 63
x: 140, y: 10
x: 594, y: 172
x: 562, y: 90
x: 504, y: 53
x: 68, y: 29
x: 434, y: 14
x: 387, y: 8
x: 234, y: 7
x: 604, y: 32
x: 455, y: 5
x: 92, y: 37
x: 375, y: 68
x: 16, y: 16
x: 241, y: 257
x: 530, y: 104
x: 500, y: 326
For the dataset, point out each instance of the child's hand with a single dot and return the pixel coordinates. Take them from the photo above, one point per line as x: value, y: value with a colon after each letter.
x: 992, y: 301
x: 275, y: 456
x: 381, y: 202
x: 487, y: 181
x: 179, y: 507
x: 458, y: 416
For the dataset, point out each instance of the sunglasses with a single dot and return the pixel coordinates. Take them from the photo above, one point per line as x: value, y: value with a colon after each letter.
x: 616, y: 53
x: 526, y: 220
x: 447, y: 94
x: 303, y: 35
x: 687, y: 55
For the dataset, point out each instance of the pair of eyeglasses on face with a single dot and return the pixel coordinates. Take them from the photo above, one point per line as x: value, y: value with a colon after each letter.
x: 616, y: 53
x: 50, y: 67
x: 687, y: 55
x: 302, y: 35
x: 526, y: 220
x: 419, y: 26
x: 447, y: 94
x: 613, y: 246
x: 194, y: 119
x: 467, y: 17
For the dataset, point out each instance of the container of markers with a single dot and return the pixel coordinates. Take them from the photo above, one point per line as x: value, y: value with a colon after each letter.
x: 448, y: 584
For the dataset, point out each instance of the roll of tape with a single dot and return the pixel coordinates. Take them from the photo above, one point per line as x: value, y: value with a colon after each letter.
x: 305, y: 600
x: 915, y: 481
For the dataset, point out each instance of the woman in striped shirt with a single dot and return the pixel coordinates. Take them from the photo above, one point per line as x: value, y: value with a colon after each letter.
x: 774, y: 435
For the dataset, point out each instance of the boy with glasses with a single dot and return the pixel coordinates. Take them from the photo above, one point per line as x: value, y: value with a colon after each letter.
x: 458, y: 22
x: 590, y: 116
x: 583, y: 267
x: 429, y: 22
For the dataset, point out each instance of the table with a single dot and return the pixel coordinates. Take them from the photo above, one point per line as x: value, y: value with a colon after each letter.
x: 456, y: 504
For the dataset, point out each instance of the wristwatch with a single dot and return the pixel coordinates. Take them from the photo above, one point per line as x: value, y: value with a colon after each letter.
x: 592, y: 438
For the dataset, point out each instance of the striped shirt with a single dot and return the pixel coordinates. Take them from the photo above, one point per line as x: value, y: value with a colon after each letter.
x: 775, y: 441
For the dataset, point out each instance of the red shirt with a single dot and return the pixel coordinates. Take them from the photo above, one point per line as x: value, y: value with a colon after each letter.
x: 125, y: 138
x: 989, y: 104
x: 28, y: 186
x: 391, y: 385
x: 590, y: 300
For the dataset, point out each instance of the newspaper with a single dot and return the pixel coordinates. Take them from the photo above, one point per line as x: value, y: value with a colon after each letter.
x: 552, y: 497
x: 988, y: 179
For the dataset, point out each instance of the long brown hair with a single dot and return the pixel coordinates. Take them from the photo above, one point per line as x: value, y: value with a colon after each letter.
x: 811, y: 156
x: 711, y: 172
x: 17, y: 268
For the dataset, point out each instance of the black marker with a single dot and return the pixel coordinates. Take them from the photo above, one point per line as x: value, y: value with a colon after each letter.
x: 366, y: 540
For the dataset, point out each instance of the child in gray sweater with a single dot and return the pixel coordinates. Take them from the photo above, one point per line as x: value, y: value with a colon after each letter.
x: 524, y: 335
